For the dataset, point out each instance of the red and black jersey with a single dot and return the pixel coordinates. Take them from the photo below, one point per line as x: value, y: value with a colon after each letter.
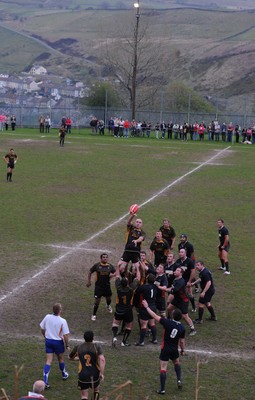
x: 173, y: 331
x: 179, y: 290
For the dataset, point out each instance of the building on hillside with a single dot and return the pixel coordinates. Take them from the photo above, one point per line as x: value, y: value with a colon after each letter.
x: 38, y: 70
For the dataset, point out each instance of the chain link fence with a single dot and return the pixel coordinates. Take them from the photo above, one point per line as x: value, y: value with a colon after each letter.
x: 81, y: 116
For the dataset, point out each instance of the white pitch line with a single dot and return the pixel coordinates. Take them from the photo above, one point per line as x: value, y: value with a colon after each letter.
x: 80, y: 248
x: 114, y: 223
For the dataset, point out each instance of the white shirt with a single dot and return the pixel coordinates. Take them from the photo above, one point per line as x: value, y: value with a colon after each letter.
x: 32, y: 394
x: 55, y: 327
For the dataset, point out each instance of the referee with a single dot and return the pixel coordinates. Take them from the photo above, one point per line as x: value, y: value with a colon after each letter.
x: 56, y: 332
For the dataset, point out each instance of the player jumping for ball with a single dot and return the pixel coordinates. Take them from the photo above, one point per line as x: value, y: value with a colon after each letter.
x: 134, y: 238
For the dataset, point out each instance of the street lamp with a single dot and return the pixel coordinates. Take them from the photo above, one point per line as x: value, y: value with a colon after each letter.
x: 135, y: 62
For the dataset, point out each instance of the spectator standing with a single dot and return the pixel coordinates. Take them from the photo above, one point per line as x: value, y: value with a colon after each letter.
x: 55, y: 330
x: 41, y: 121
x: 157, y: 130
x: 47, y: 124
x: 7, y: 122
x: 148, y: 129
x: 170, y: 130
x: 231, y: 129
x: 101, y: 127
x: 68, y: 125
x: 126, y: 128
x: 196, y: 128
x: 111, y: 125
x: 163, y: 130
x: 13, y: 122
x: 63, y: 121
x: 223, y: 131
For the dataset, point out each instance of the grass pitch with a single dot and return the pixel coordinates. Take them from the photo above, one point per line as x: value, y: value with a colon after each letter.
x: 66, y: 205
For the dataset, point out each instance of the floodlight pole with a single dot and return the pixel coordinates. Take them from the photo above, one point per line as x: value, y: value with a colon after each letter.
x: 135, y: 62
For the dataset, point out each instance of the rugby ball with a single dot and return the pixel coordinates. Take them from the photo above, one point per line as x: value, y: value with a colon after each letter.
x: 134, y: 208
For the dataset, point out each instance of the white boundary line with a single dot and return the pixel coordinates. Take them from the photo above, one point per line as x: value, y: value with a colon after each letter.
x: 203, y: 353
x: 116, y: 222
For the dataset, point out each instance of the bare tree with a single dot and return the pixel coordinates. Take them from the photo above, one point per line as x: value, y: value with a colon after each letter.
x: 137, y: 61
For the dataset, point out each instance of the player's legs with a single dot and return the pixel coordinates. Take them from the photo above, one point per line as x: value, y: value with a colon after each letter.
x: 108, y: 303
x: 122, y: 267
x: 61, y: 364
x: 189, y: 321
x: 95, y: 307
x: 162, y: 376
x: 142, y: 332
x: 115, y: 326
x: 46, y: 368
x: 84, y: 394
x: 191, y: 297
x: 224, y: 254
x: 153, y: 331
x: 222, y: 261
x: 177, y: 368
x: 211, y: 311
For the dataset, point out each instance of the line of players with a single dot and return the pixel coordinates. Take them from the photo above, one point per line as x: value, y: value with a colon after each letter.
x: 145, y: 281
x: 144, y: 286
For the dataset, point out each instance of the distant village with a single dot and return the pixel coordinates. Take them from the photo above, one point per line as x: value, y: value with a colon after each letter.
x: 37, y: 89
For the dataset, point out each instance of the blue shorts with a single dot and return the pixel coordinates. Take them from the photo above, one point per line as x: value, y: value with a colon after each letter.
x: 54, y: 346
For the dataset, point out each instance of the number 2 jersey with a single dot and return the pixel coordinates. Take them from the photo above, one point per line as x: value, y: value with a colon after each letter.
x: 89, y: 367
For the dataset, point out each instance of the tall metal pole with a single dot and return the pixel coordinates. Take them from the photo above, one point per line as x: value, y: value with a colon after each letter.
x: 135, y: 61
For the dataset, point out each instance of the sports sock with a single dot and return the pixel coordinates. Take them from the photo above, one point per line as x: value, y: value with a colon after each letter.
x: 108, y: 302
x: 200, y: 313
x: 95, y: 308
x: 154, y: 332
x: 62, y: 367
x: 10, y: 174
x: 96, y: 395
x: 162, y: 377
x: 227, y: 266
x: 7, y: 176
x: 46, y: 372
x: 126, y: 335
x: 114, y: 331
x: 211, y: 311
x: 142, y: 335
x: 222, y: 263
x: 178, y: 372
